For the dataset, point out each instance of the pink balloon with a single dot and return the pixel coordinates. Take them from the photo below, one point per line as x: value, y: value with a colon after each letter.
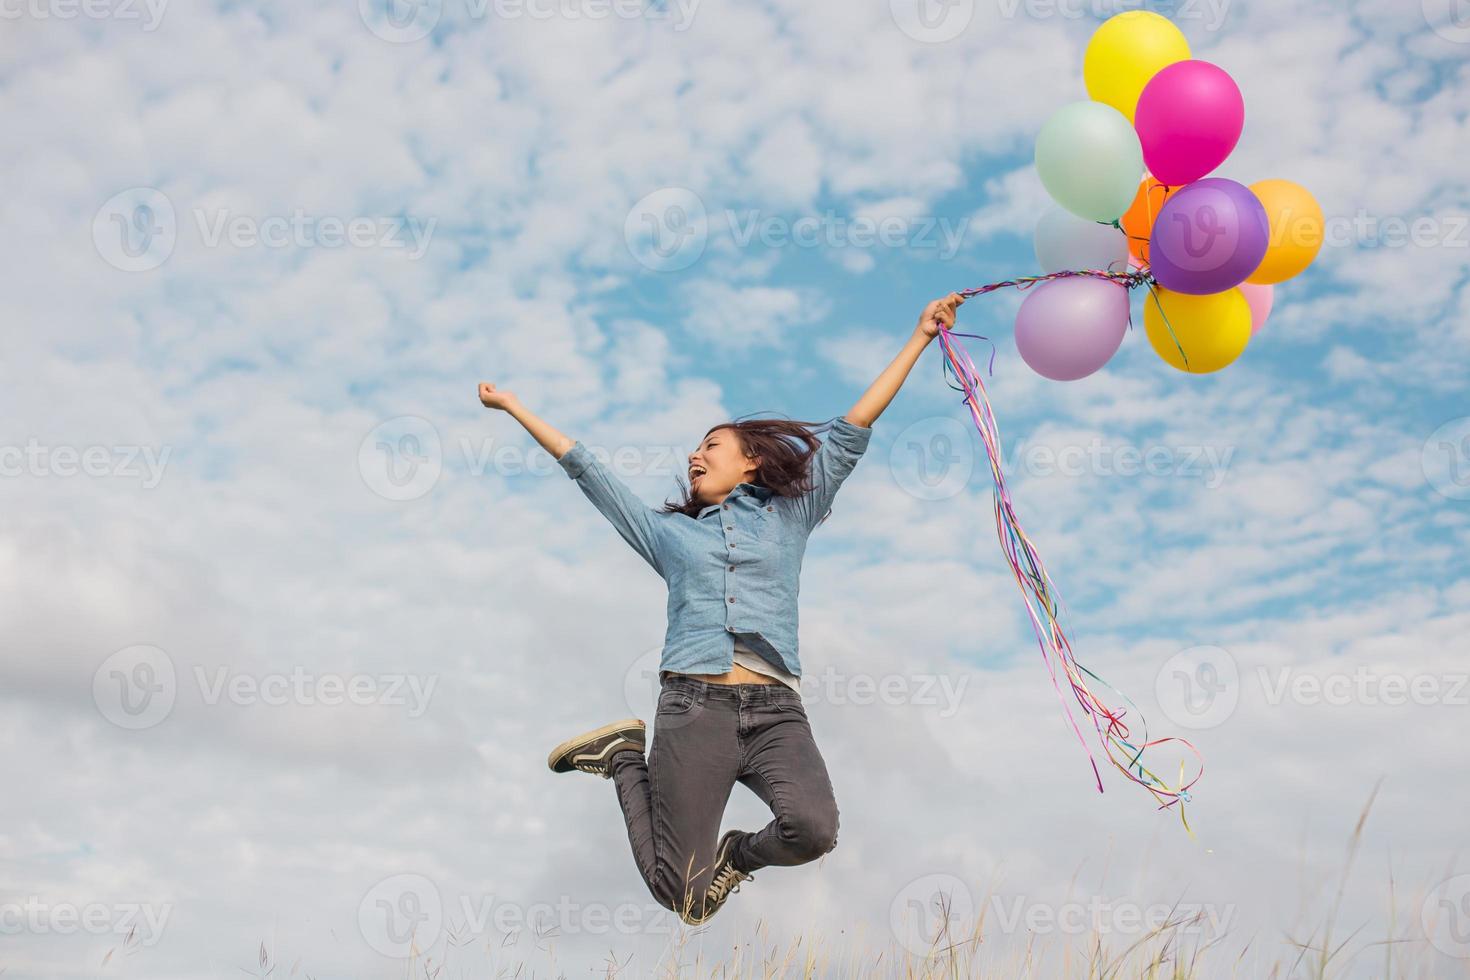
x: 1189, y: 118
x: 1069, y: 328
x: 1260, y: 297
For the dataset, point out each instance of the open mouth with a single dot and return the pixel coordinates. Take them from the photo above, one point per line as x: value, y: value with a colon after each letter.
x: 695, y: 472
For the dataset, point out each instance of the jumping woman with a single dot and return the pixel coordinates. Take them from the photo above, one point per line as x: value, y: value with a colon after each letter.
x: 729, y: 707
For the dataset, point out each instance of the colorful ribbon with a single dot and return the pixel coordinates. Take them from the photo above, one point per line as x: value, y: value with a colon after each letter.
x: 1042, y: 603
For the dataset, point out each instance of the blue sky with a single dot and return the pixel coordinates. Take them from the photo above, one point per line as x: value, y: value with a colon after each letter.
x: 241, y: 469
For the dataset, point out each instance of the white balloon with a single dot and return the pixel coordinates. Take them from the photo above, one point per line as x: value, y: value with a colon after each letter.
x: 1065, y: 242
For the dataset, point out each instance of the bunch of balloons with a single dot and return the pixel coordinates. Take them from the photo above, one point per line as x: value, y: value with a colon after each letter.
x: 1129, y: 172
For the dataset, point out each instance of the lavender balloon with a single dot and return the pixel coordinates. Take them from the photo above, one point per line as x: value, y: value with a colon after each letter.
x: 1209, y: 236
x: 1069, y: 328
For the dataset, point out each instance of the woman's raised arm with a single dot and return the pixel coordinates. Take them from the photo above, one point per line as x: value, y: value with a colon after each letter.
x: 551, y: 439
x: 631, y: 517
x: 873, y: 401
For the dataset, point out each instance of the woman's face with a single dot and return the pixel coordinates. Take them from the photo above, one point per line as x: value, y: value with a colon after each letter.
x: 718, y: 465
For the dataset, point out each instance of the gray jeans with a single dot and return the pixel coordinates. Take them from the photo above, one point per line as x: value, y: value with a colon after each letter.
x: 706, y: 738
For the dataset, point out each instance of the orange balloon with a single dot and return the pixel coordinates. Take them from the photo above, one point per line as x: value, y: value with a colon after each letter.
x: 1138, y: 220
x: 1296, y: 230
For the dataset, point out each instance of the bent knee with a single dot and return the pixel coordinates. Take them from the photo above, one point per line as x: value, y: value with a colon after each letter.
x: 810, y: 834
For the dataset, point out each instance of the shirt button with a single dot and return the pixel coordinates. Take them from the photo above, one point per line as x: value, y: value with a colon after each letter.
x: 729, y: 629
x: 732, y: 598
x: 732, y: 568
x: 729, y: 527
x: 770, y: 508
x: 727, y: 506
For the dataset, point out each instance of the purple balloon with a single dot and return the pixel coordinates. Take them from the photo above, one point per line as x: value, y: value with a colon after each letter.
x: 1069, y: 328
x: 1209, y: 236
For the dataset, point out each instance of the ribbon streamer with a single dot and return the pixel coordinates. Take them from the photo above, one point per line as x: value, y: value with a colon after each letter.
x: 1043, y: 605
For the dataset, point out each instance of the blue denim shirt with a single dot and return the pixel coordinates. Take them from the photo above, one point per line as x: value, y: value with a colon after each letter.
x: 734, y: 570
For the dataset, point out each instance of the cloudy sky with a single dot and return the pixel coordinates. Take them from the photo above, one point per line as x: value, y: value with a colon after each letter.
x: 291, y: 621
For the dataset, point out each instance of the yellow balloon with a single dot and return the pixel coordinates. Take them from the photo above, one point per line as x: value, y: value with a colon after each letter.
x: 1212, y: 329
x: 1296, y: 234
x: 1125, y: 52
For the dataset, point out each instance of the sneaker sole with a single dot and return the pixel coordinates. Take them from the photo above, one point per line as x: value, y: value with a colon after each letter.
x: 581, y: 741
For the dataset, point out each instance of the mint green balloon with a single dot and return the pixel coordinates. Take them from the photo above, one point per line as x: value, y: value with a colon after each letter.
x: 1090, y: 160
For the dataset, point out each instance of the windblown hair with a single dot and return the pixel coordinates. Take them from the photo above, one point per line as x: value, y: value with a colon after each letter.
x: 785, y: 448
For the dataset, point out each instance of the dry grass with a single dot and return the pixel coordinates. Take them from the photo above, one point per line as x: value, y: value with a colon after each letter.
x: 1181, y: 948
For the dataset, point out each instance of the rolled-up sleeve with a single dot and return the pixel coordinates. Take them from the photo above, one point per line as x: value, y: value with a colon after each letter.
x: 634, y: 520
x: 831, y: 464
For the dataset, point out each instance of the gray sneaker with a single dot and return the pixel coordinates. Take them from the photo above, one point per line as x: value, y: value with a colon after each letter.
x: 726, y: 881
x: 592, y: 751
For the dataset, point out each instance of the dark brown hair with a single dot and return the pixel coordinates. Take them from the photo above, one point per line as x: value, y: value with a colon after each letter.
x: 785, y: 448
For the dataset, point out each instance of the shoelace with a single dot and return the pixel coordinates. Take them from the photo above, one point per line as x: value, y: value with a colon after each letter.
x: 726, y: 883
x: 598, y: 768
